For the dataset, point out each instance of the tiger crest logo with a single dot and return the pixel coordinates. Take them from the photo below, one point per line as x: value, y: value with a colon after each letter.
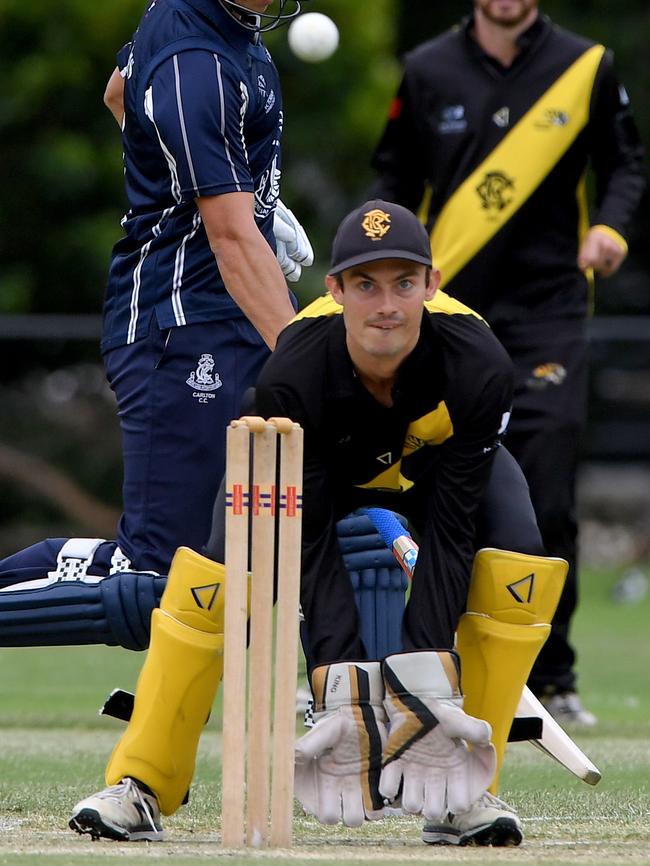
x: 495, y: 191
x: 376, y: 223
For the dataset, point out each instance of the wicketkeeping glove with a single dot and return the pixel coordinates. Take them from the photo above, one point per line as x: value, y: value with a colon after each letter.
x: 293, y: 250
x: 426, y: 753
x: 338, y: 762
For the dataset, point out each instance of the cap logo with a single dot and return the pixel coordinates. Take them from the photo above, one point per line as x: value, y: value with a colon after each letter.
x: 376, y: 223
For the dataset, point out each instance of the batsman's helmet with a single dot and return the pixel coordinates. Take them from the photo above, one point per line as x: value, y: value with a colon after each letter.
x: 285, y: 10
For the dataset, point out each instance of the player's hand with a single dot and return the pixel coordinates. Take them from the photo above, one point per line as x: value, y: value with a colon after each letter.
x: 293, y: 250
x: 426, y: 753
x: 601, y: 252
x: 338, y: 762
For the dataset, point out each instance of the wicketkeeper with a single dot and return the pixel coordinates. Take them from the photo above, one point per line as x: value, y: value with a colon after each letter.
x: 403, y: 394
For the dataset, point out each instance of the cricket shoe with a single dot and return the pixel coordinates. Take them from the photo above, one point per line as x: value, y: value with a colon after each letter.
x: 489, y: 821
x: 127, y: 812
x: 566, y: 708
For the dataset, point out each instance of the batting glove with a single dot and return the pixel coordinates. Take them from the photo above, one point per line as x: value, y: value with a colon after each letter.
x: 426, y: 753
x: 338, y: 762
x: 293, y: 250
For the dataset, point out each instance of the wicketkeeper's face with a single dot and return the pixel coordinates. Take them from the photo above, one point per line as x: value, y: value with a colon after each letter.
x: 382, y: 306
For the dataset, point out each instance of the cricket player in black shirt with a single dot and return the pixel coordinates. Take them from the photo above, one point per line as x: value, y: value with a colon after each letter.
x: 489, y: 138
x: 403, y: 395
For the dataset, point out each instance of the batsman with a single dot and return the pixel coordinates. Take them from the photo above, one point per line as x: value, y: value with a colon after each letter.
x: 403, y: 395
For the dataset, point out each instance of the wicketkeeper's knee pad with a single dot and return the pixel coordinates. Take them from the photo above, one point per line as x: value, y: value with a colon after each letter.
x: 511, y: 601
x: 177, y: 684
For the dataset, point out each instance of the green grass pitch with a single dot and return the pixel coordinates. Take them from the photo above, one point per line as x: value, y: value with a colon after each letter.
x: 54, y: 748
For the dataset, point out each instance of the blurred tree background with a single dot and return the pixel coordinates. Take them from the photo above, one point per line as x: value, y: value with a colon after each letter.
x: 61, y: 200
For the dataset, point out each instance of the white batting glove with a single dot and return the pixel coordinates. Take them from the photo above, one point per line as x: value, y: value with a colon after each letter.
x: 427, y: 752
x: 293, y: 250
x: 338, y: 762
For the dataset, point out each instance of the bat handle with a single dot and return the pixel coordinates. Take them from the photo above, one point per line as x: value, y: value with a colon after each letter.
x: 406, y: 553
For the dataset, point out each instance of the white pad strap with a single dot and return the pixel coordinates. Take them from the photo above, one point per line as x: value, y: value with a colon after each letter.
x: 73, y: 560
x: 72, y: 563
x: 120, y: 562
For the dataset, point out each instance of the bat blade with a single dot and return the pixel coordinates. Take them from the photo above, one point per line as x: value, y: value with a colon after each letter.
x: 556, y: 743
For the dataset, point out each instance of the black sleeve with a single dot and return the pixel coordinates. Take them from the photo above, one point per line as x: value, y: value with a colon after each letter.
x: 465, y: 460
x: 442, y: 575
x: 616, y: 151
x: 466, y: 457
x: 398, y: 159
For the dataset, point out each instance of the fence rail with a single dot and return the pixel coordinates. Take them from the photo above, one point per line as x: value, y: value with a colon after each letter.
x: 619, y: 390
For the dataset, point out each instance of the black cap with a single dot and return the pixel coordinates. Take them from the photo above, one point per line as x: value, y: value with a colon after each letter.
x: 379, y: 230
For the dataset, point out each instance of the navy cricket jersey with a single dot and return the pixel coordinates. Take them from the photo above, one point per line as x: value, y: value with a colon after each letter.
x: 203, y: 116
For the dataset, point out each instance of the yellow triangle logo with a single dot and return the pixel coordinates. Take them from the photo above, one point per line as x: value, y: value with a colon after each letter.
x: 522, y: 590
x: 205, y: 596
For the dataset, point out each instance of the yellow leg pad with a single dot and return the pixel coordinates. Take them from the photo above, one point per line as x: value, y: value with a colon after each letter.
x: 510, y: 605
x: 177, y: 684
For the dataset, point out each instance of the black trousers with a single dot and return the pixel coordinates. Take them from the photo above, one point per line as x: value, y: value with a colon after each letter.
x: 550, y: 359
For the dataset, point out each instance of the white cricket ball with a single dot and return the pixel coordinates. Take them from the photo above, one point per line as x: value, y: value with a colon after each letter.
x: 313, y: 37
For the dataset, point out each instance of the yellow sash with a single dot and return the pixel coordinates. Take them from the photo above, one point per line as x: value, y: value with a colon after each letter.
x: 500, y: 185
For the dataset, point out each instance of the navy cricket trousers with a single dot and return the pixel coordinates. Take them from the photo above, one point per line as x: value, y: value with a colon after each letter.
x: 177, y: 390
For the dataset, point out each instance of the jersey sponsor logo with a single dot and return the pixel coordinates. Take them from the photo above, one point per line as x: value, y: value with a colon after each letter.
x: 502, y: 117
x: 496, y: 191
x: 376, y: 223
x: 452, y: 119
x: 547, y: 374
x: 203, y: 379
x: 268, y: 190
x: 552, y: 117
x: 413, y: 443
x: 267, y: 95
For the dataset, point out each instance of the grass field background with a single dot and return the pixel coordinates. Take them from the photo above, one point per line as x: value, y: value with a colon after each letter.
x: 54, y: 749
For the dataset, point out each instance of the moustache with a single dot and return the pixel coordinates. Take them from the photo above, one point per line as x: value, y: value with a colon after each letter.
x: 385, y: 321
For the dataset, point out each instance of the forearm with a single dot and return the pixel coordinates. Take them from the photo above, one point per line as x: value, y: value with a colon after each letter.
x: 254, y: 280
x: 246, y: 262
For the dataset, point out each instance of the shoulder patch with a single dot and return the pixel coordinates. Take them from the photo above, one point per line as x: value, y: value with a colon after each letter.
x: 323, y: 306
x: 444, y: 303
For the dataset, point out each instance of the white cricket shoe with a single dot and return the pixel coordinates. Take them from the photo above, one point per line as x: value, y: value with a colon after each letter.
x: 489, y: 821
x: 566, y: 708
x: 126, y: 812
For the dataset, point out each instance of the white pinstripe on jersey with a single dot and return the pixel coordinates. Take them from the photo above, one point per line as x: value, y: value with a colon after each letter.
x: 181, y: 119
x: 179, y: 267
x: 222, y: 109
x: 137, y: 274
x: 171, y: 162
